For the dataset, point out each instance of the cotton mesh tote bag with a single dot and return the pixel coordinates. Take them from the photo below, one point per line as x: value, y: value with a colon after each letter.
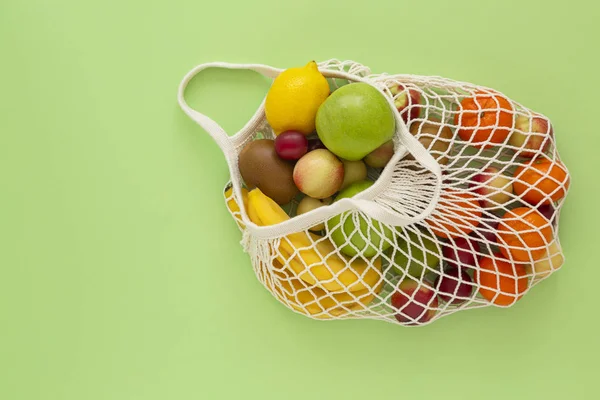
x: 410, y: 198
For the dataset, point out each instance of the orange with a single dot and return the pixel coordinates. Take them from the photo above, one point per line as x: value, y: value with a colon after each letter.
x: 457, y: 214
x: 485, y: 119
x: 524, y: 234
x: 541, y: 181
x: 495, y: 285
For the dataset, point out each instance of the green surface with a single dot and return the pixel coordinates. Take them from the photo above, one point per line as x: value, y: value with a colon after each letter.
x: 121, y: 273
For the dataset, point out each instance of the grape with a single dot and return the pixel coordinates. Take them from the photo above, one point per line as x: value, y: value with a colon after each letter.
x: 461, y: 251
x: 291, y: 145
x: 314, y: 144
x: 447, y: 286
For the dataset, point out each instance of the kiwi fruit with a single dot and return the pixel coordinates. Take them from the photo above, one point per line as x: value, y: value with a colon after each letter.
x: 261, y: 167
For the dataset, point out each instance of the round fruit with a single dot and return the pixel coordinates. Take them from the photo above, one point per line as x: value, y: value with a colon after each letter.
x: 291, y: 145
x: 456, y: 214
x: 435, y: 137
x: 355, y: 120
x: 551, y: 261
x: 350, y: 238
x: 532, y: 135
x: 294, y: 98
x: 501, y: 282
x: 314, y: 144
x: 379, y: 157
x: 415, y: 254
x: 548, y: 211
x: 486, y: 230
x: 406, y: 101
x: 308, y: 204
x: 319, y: 174
x: 541, y: 181
x: 455, y: 286
x: 261, y: 167
x: 495, y: 188
x: 523, y: 234
x: 415, y: 302
x: 354, y: 171
x: 484, y: 120
x: 461, y: 251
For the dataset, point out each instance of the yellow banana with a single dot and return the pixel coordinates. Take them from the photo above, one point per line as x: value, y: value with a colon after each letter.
x: 314, y: 259
x: 314, y: 301
x: 233, y: 206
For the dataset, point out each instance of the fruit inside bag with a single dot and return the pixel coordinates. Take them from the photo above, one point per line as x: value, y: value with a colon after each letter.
x: 395, y: 197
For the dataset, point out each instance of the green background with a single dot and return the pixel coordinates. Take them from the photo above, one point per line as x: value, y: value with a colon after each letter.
x: 121, y: 273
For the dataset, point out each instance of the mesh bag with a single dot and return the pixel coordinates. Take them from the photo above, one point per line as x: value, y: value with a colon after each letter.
x: 464, y: 215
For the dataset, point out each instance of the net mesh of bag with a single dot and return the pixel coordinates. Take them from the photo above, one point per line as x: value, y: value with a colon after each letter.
x: 437, y: 233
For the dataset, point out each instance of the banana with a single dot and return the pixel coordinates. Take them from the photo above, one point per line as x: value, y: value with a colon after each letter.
x: 314, y: 301
x: 233, y: 206
x: 312, y: 258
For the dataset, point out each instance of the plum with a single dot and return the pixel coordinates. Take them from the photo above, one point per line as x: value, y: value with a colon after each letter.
x: 291, y: 145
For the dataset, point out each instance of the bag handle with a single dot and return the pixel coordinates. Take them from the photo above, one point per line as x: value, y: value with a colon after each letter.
x: 364, y: 201
x: 210, y: 126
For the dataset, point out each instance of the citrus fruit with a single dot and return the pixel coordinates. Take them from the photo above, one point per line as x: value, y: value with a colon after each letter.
x: 484, y: 119
x: 457, y: 214
x: 294, y: 98
x: 541, y: 181
x: 501, y: 282
x: 524, y: 234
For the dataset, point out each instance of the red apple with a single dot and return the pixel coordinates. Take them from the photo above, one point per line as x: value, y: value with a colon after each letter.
x: 486, y: 230
x: 532, y: 135
x: 495, y: 188
x: 455, y: 286
x: 461, y: 252
x: 415, y: 302
x: 407, y: 102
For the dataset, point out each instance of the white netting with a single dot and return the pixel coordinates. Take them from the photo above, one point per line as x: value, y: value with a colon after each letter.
x: 492, y: 235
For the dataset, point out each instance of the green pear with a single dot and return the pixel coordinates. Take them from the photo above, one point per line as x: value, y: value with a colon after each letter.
x: 350, y: 239
x: 355, y: 120
x: 426, y: 253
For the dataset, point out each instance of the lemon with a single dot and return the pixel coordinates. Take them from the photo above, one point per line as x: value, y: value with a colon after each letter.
x: 294, y: 98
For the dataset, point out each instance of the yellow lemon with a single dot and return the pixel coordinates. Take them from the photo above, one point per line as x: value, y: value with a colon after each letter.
x: 294, y: 98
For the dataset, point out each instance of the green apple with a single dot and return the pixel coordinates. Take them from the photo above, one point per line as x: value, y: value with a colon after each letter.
x: 364, y: 239
x: 355, y: 120
x: 421, y: 254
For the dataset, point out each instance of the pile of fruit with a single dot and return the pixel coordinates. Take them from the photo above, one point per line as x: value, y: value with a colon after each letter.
x: 490, y: 238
